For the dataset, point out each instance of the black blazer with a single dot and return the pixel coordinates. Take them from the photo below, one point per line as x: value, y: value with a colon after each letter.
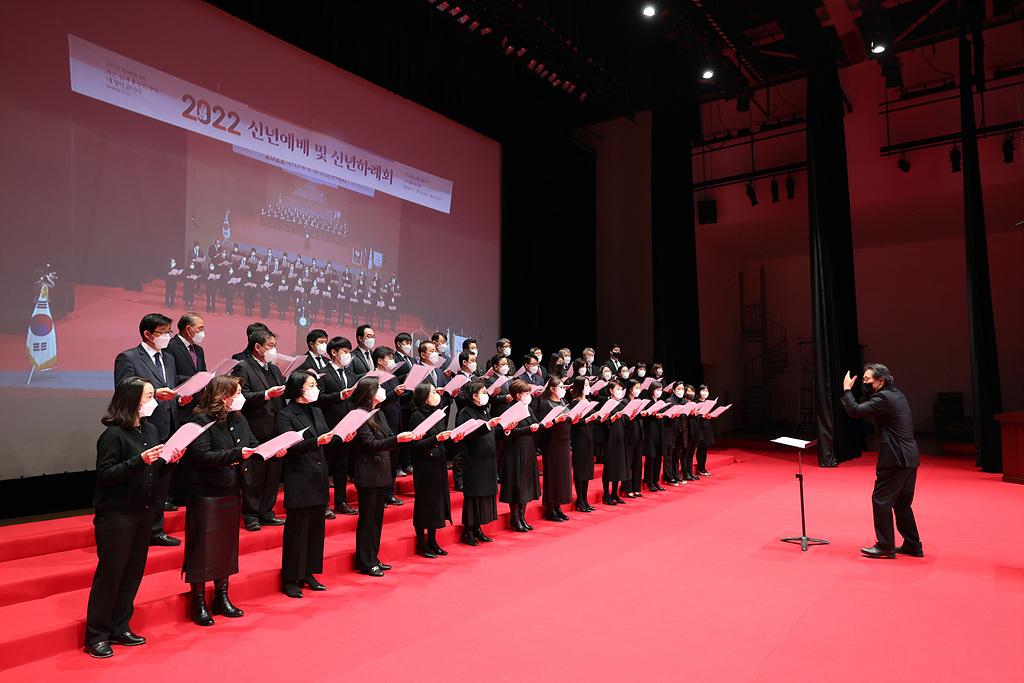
x: 124, y: 483
x: 185, y: 368
x: 260, y: 412
x: 308, y: 364
x: 373, y: 449
x: 305, y: 467
x: 330, y: 401
x: 359, y: 365
x: 217, y: 454
x: 136, y: 362
x: 894, y: 426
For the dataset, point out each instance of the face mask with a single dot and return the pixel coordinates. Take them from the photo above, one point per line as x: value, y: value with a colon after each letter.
x: 679, y: 394
x: 641, y: 373
x: 198, y: 337
x: 606, y: 376
x: 502, y: 369
x: 533, y: 369
x: 311, y: 395
x: 390, y: 365
x: 368, y: 343
x: 567, y: 362
x: 704, y: 394
x: 618, y: 394
x: 537, y: 356
x: 381, y: 395
x: 624, y: 375
x: 689, y: 397
x: 147, y: 408
x: 433, y: 358
x: 507, y: 352
x: 482, y: 398
x: 659, y: 372
x: 321, y: 349
x: 344, y: 359
x: 560, y: 393
x: 236, y: 403
x: 656, y: 394
x: 615, y: 354
x: 270, y: 356
x: 634, y: 392
x: 162, y: 341
x: 525, y: 399
x: 407, y: 349
x: 471, y: 366
x: 442, y: 348
x: 434, y: 400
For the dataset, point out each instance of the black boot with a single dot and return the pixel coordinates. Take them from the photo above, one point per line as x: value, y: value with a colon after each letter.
x: 522, y: 517
x: 552, y: 514
x: 432, y: 542
x: 199, y: 613
x: 478, y: 533
x: 467, y: 536
x: 558, y: 511
x: 513, y: 518
x: 221, y: 604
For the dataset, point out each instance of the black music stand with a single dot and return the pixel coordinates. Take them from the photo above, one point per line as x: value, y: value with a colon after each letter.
x: 799, y: 445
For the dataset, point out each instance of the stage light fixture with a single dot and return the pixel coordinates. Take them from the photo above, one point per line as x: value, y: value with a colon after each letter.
x: 455, y: 11
x: 790, y: 187
x: 742, y: 102
x: 752, y: 193
x: 708, y: 73
x: 463, y: 19
x: 442, y: 6
x: 1008, y: 147
x: 649, y: 11
x: 474, y: 26
x: 904, y: 163
x: 509, y: 50
x: 521, y: 52
x: 954, y: 159
x: 878, y: 45
x: 484, y: 31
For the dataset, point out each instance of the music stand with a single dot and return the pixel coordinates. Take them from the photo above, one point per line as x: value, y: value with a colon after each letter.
x: 800, y: 445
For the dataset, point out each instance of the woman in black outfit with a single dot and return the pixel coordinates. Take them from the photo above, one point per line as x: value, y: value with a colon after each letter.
x: 654, y: 440
x: 555, y: 452
x: 305, y: 486
x: 613, y: 431
x: 479, y: 466
x: 673, y: 432
x: 372, y: 450
x: 581, y: 439
x: 213, y: 511
x: 634, y: 432
x: 430, y: 473
x: 707, y: 435
x: 126, y: 473
x: 520, y: 477
x: 694, y: 429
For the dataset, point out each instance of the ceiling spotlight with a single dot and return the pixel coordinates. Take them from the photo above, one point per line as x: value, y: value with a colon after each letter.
x: 649, y: 11
x: 954, y: 158
x: 708, y: 73
x: 752, y: 193
x: 904, y: 163
x: 474, y: 26
x: 790, y: 187
x: 775, y: 191
x: 877, y: 45
x: 1008, y: 147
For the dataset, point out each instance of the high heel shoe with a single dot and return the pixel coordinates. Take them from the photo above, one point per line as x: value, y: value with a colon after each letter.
x: 608, y: 500
x: 522, y: 518
x: 581, y: 507
x: 478, y: 533
x: 438, y: 550
x: 200, y: 614
x: 312, y: 583
x: 513, y: 519
x: 292, y: 589
x: 618, y: 500
x: 551, y: 515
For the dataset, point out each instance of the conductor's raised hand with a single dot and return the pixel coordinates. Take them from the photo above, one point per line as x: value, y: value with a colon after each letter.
x: 848, y: 381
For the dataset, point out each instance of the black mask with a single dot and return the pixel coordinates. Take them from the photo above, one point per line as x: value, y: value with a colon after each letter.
x: 615, y: 354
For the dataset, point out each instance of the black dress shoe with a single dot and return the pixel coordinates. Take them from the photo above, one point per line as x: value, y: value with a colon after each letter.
x: 704, y: 473
x: 127, y: 638
x: 652, y: 488
x: 372, y: 571
x: 252, y: 526
x: 163, y: 539
x: 618, y: 501
x: 608, y: 500
x: 169, y: 506
x: 384, y: 567
x: 910, y: 550
x: 880, y: 553
x: 100, y: 650
x: 272, y: 521
x: 329, y: 513
x: 346, y: 509
x: 394, y: 501
x: 313, y: 584
x: 292, y: 589
x: 468, y: 538
x: 552, y: 516
x: 479, y: 534
x: 662, y: 488
x: 438, y: 549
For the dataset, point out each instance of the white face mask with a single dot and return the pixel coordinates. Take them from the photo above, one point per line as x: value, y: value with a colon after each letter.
x: 162, y: 341
x: 471, y: 366
x: 344, y: 359
x: 618, y: 394
x: 321, y: 349
x: 606, y: 376
x: 525, y: 399
x: 433, y: 358
x: 442, y: 348
x: 502, y: 369
x: 704, y: 394
x: 533, y: 369
x: 659, y: 372
x: 567, y: 362
x: 641, y: 373
x: 482, y: 398
x: 634, y: 392
x: 381, y: 395
x: 311, y: 395
x: 270, y: 356
x: 235, y: 403
x: 507, y: 352
x: 146, y: 409
x: 407, y: 349
x: 590, y: 360
x: 434, y: 400
x: 389, y: 365
x: 560, y: 393
x: 198, y: 337
x: 369, y: 342
x: 680, y: 393
x: 656, y: 394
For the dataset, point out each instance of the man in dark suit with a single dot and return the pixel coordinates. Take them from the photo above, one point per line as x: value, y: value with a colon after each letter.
x: 262, y: 388
x: 384, y: 360
x: 189, y: 358
x: 316, y: 354
x: 898, y: 460
x: 362, y: 357
x: 148, y: 360
x: 252, y: 327
x: 588, y: 358
x: 403, y: 364
x: 613, y: 363
x: 338, y: 384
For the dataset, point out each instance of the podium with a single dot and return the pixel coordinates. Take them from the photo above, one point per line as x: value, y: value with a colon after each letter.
x: 800, y: 447
x: 1012, y: 433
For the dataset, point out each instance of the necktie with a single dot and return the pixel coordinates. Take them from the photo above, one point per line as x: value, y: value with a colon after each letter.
x: 344, y: 380
x: 159, y: 367
x: 192, y: 352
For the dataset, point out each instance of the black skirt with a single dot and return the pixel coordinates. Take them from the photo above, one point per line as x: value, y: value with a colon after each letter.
x: 433, y: 503
x: 582, y: 453
x: 211, y: 538
x: 479, y: 510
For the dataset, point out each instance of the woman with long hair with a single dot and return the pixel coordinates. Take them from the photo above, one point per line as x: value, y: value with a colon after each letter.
x: 581, y: 440
x: 480, y: 466
x: 555, y: 451
x: 520, y: 477
x: 430, y: 473
x: 616, y: 469
x: 634, y: 431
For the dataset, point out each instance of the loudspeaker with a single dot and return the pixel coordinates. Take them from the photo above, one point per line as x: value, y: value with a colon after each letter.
x: 707, y: 211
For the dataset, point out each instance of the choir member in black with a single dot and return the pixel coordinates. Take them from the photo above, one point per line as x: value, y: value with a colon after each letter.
x: 338, y: 384
x: 534, y: 373
x: 654, y: 439
x: 315, y: 301
x: 658, y: 372
x: 372, y: 449
x: 189, y: 358
x: 673, y: 433
x: 501, y: 400
x: 581, y: 441
x: 634, y: 432
x: 354, y: 295
x: 266, y: 291
x: 430, y: 474
x: 616, y: 468
x: 694, y: 430
x: 403, y: 364
x: 640, y: 370
x: 126, y: 473
x: 623, y: 374
x: 520, y: 476
x: 707, y: 436
x: 557, y: 367
x: 328, y: 302
x: 480, y: 467
x: 211, y: 517
x: 232, y: 288
x: 212, y: 287
x: 171, y: 284
x: 305, y: 485
x: 249, y: 289
x: 604, y: 374
x: 554, y: 445
x: 282, y: 298
x: 393, y: 310
x: 188, y: 287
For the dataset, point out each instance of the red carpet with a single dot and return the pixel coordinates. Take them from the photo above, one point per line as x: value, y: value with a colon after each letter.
x: 689, y: 584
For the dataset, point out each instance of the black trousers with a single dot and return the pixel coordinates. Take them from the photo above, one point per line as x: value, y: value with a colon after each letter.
x: 652, y: 468
x: 302, y: 552
x: 161, y: 490
x: 339, y: 472
x: 702, y: 457
x: 691, y: 449
x: 259, y: 493
x: 671, y: 464
x: 635, y: 458
x: 368, y: 528
x: 122, y: 544
x: 894, y: 493
x: 457, y: 466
